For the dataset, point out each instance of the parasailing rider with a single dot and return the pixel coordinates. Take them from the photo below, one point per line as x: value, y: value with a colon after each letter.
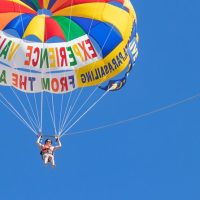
x: 47, y: 149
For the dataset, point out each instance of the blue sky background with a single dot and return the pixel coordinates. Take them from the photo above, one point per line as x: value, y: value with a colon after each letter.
x: 154, y: 158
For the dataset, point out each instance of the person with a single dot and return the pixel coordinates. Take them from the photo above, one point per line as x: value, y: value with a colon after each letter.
x: 47, y: 150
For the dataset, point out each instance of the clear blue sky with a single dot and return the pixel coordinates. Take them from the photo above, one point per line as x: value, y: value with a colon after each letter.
x: 154, y: 158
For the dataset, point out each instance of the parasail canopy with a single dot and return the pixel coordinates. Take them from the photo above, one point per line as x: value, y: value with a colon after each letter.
x: 58, y: 46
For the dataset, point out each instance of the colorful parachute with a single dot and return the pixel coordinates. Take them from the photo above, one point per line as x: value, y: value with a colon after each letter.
x: 53, y: 47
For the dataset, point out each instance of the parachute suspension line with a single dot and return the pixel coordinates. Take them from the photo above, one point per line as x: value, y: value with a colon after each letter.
x: 16, y: 115
x: 63, y: 129
x: 90, y: 108
x: 9, y: 106
x: 36, y: 118
x: 169, y: 106
x: 41, y: 101
x: 70, y: 110
x: 61, y: 109
x: 85, y: 102
x: 82, y: 87
x: 25, y: 110
x: 41, y: 108
x: 51, y: 114
x: 66, y: 109
x: 37, y: 112
x: 65, y: 118
x: 53, y: 109
x: 41, y: 111
x: 38, y: 122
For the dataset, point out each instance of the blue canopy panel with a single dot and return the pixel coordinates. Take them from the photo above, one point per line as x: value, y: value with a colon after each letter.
x: 32, y: 38
x: 51, y: 2
x: 30, y: 3
x: 106, y: 35
x: 54, y: 39
x: 12, y: 32
x: 119, y: 5
x: 19, y: 23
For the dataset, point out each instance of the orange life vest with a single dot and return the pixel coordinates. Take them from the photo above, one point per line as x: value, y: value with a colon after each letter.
x: 46, y: 149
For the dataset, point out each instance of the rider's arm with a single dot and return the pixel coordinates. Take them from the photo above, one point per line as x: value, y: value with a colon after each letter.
x: 38, y: 141
x: 59, y: 144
